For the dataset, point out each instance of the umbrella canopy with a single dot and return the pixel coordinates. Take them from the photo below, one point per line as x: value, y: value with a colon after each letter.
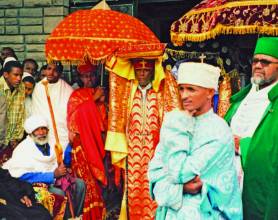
x: 96, y: 34
x: 213, y: 17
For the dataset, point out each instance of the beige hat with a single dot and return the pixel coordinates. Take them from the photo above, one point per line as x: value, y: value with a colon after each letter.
x: 34, y: 122
x: 199, y: 74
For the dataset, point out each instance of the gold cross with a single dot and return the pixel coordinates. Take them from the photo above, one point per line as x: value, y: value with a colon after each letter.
x: 202, y: 57
x: 143, y: 62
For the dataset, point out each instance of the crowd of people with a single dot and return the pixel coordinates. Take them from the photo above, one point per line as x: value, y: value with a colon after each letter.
x: 153, y: 149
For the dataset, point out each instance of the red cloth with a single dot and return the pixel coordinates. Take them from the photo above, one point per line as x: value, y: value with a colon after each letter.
x: 88, y: 150
x: 143, y: 64
x: 86, y: 68
x: 78, y: 97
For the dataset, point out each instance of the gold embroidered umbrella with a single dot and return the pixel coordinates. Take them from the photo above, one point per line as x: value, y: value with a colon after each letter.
x: 214, y: 17
x: 98, y: 33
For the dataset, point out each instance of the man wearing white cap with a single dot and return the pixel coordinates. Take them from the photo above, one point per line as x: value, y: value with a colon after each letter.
x: 192, y: 175
x: 34, y: 161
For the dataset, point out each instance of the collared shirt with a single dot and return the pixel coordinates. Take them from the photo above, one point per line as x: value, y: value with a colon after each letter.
x: 250, y: 112
x: 45, y: 149
x: 144, y: 90
x: 15, y: 110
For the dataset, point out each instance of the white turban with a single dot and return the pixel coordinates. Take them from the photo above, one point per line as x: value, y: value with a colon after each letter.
x: 34, y: 122
x: 8, y: 59
x: 199, y: 74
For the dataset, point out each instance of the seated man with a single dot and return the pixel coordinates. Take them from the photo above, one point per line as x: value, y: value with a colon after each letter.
x: 34, y: 161
x: 17, y: 200
x: 192, y: 174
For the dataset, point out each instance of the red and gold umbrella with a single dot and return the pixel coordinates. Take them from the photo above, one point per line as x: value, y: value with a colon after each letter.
x: 214, y: 17
x: 97, y: 33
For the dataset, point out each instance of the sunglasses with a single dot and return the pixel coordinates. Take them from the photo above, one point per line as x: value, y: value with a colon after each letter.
x: 264, y: 62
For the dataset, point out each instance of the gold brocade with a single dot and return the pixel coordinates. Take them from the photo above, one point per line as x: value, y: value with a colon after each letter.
x: 123, y: 67
x: 119, y: 107
x: 143, y: 135
x: 48, y: 200
x: 123, y: 94
x: 225, y: 93
x: 211, y: 18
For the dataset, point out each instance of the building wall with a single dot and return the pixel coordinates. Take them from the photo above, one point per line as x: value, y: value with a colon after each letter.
x: 25, y: 25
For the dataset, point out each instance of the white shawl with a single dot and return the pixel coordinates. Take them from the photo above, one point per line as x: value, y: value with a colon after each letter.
x: 28, y: 158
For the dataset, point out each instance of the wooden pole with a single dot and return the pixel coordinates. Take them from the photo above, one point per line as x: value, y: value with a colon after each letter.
x: 58, y: 147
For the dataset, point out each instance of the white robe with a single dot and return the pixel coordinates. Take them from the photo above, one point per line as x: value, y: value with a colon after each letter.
x: 28, y: 158
x: 59, y: 94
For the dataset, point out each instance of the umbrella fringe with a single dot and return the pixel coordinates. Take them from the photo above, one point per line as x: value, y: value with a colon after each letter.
x: 178, y: 39
x: 78, y: 62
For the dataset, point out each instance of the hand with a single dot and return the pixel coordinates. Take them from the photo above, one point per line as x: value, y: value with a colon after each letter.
x: 25, y: 200
x: 193, y: 186
x: 98, y: 93
x: 61, y: 170
x: 237, y: 140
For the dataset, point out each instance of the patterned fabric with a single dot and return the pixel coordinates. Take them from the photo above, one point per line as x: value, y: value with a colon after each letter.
x: 55, y: 204
x: 213, y: 17
x: 186, y: 150
x: 143, y: 134
x: 121, y: 106
x: 94, y: 207
x: 15, y: 110
x: 96, y: 34
x: 88, y: 150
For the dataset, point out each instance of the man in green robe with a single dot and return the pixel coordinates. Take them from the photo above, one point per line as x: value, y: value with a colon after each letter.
x: 253, y: 117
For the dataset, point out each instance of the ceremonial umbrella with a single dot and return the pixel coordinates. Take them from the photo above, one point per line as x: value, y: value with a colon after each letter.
x: 214, y: 17
x: 96, y: 34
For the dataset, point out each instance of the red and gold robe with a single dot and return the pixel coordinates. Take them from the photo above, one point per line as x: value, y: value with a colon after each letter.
x: 88, y: 152
x: 133, y: 133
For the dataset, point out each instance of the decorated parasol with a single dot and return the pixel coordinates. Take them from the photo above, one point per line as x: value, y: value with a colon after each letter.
x: 97, y: 34
x: 214, y: 17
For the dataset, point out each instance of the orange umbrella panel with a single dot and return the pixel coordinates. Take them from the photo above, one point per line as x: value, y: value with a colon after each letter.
x: 96, y: 34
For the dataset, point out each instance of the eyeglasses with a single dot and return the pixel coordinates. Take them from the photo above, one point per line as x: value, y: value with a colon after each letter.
x: 264, y: 62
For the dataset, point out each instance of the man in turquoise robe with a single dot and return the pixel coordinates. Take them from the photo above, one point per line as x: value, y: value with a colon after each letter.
x: 253, y: 116
x: 192, y: 174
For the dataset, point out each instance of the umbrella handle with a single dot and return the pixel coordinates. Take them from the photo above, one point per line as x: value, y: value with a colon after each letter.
x: 58, y: 147
x: 101, y: 75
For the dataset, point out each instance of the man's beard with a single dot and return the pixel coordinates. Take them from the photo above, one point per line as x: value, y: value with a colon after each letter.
x: 40, y: 139
x: 261, y: 81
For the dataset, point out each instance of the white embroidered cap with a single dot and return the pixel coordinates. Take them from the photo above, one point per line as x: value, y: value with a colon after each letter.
x: 25, y: 74
x: 34, y: 122
x: 199, y: 74
x: 8, y: 59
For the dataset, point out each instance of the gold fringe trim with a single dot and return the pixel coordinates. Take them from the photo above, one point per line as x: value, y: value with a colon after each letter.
x: 148, y: 55
x: 94, y: 38
x: 237, y: 3
x: 178, y: 39
x: 86, y: 58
